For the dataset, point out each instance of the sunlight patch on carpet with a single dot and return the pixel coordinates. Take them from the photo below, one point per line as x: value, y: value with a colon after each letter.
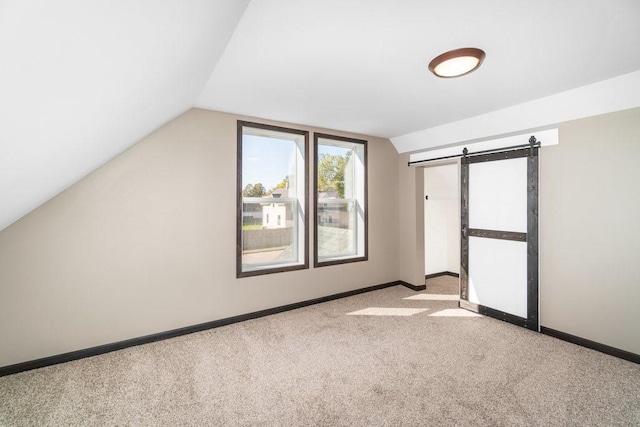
x: 455, y: 312
x: 434, y: 297
x: 384, y: 311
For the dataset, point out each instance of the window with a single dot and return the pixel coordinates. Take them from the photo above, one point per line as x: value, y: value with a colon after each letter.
x: 341, y: 200
x: 272, y: 199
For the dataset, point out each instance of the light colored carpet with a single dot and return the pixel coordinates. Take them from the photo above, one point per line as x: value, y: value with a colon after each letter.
x: 387, y: 311
x: 318, y: 366
x: 443, y: 285
x: 435, y: 297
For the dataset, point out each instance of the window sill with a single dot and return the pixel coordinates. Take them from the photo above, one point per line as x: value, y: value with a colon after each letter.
x: 339, y: 260
x: 259, y: 271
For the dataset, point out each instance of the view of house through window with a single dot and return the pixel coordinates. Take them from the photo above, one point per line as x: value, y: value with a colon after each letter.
x: 341, y: 209
x: 272, y: 200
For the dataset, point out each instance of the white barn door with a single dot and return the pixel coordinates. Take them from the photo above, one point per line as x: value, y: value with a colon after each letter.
x: 499, y: 236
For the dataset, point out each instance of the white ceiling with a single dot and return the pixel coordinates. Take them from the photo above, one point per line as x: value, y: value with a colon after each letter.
x: 81, y: 81
x: 361, y: 66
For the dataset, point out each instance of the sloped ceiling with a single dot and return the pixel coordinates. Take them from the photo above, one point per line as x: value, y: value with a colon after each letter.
x: 81, y: 81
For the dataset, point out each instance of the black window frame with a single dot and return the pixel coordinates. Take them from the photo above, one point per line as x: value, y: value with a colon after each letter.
x: 241, y: 124
x: 365, y: 252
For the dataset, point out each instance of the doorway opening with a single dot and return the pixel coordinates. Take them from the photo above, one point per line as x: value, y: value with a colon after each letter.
x: 442, y: 227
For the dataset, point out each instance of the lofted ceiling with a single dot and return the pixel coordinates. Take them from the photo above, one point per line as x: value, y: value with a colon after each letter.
x: 361, y: 66
x: 81, y: 81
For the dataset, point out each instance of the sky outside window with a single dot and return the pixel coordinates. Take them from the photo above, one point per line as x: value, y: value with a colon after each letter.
x: 267, y: 160
x: 333, y: 150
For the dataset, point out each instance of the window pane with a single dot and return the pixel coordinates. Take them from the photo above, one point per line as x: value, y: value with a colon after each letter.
x: 336, y: 228
x: 340, y: 200
x: 272, y: 213
x: 268, y: 164
x: 268, y: 232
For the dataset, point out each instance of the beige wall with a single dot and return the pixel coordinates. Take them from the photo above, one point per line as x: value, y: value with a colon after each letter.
x: 589, y: 230
x: 411, y: 227
x: 147, y: 244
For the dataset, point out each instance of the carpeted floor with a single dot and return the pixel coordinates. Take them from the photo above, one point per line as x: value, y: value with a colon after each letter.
x: 320, y: 365
x: 443, y: 285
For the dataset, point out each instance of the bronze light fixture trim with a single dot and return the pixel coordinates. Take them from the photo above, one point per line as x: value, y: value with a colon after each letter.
x: 456, y: 63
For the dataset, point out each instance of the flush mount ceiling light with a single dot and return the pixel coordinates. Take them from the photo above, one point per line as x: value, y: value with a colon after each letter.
x: 457, y: 62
